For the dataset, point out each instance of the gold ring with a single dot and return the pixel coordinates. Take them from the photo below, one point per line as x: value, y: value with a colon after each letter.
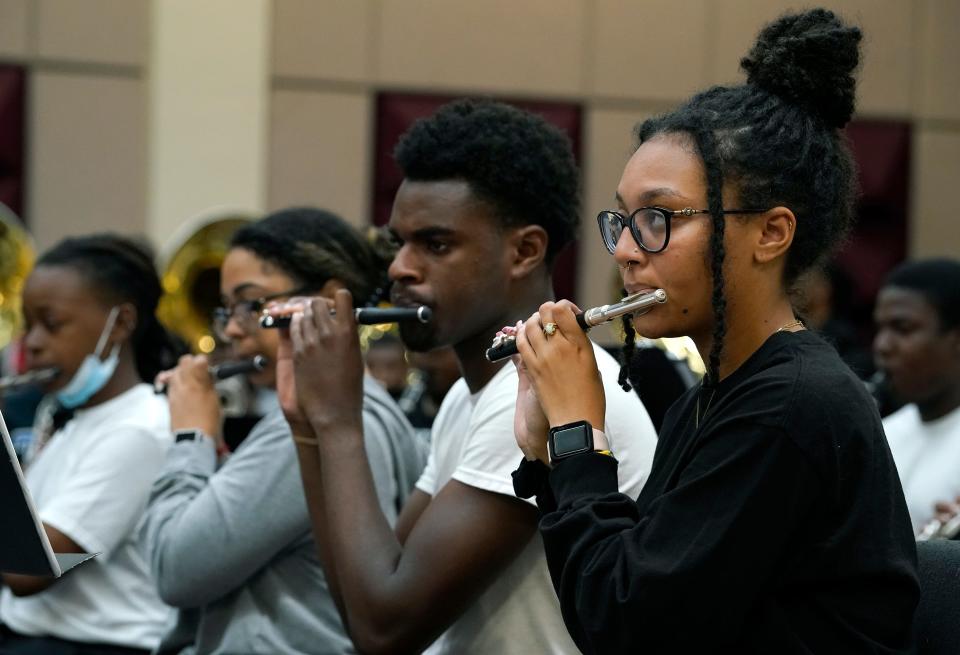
x: 549, y: 329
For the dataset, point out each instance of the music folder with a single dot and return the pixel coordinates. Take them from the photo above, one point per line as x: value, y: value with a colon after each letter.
x: 24, y: 547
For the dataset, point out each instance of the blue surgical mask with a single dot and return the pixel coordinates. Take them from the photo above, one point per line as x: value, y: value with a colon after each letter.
x: 94, y: 372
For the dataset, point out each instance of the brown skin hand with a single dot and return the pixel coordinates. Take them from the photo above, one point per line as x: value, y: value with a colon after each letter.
x: 27, y: 585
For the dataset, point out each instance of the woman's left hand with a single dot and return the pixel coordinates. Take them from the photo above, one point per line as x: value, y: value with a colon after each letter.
x: 194, y: 401
x: 561, y: 366
x: 530, y: 425
x: 328, y: 367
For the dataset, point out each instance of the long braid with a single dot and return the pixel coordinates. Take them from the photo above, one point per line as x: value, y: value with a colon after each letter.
x: 707, y: 145
x: 626, y: 354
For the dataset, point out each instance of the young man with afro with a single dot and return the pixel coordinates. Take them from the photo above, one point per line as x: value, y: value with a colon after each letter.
x: 489, y: 197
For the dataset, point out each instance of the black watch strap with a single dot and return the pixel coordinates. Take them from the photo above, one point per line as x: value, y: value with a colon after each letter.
x: 188, y: 435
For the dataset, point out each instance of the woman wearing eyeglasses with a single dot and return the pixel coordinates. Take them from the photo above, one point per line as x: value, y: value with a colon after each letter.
x: 773, y: 520
x: 232, y: 546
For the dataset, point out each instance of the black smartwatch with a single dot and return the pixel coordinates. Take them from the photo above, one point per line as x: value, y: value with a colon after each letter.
x: 188, y: 435
x: 570, y: 439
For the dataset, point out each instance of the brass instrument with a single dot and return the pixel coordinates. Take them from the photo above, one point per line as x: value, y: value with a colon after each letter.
x: 190, y: 274
x: 17, y: 256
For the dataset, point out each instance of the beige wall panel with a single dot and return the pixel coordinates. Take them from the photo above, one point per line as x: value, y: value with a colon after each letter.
x: 14, y: 28
x: 625, y: 63
x: 936, y: 169
x: 87, y: 156
x: 939, y: 59
x: 99, y: 31
x: 209, y: 103
x: 323, y: 39
x: 885, y: 81
x: 320, y: 146
x: 609, y: 144
x: 530, y: 47
x: 733, y: 26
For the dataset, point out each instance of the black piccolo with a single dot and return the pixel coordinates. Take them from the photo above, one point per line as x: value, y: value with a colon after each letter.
x: 364, y: 316
x: 229, y: 369
x: 505, y: 346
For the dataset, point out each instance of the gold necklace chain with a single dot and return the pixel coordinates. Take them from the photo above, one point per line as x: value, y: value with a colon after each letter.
x: 797, y: 323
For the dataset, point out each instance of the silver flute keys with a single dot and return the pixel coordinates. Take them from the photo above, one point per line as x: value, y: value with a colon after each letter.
x: 505, y: 346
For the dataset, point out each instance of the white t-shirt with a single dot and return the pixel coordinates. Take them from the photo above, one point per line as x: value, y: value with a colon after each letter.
x: 927, y: 456
x: 473, y: 443
x: 91, y: 482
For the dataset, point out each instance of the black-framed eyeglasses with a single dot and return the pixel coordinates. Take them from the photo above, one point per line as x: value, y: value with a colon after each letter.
x: 649, y: 226
x: 247, y: 312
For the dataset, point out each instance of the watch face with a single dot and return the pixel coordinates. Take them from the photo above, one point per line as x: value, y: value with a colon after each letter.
x: 570, y: 439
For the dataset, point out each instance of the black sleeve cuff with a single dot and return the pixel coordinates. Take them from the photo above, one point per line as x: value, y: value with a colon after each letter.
x: 530, y: 478
x: 589, y: 474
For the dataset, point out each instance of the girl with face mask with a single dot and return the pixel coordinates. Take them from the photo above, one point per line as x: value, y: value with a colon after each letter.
x: 89, y: 308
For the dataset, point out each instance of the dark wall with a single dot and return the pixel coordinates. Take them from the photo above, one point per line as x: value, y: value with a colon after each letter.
x: 12, y: 130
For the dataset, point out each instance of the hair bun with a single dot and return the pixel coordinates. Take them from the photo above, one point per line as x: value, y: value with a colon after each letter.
x: 808, y: 59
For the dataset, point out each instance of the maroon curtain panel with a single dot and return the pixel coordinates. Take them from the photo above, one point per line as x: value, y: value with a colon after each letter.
x: 880, y: 237
x: 12, y: 98
x: 397, y: 111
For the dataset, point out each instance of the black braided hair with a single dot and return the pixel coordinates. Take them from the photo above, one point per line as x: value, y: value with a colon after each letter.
x: 122, y: 270
x: 519, y: 164
x: 313, y: 246
x: 776, y: 140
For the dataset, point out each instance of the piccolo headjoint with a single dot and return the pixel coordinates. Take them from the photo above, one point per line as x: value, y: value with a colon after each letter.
x: 506, y: 345
x: 363, y: 316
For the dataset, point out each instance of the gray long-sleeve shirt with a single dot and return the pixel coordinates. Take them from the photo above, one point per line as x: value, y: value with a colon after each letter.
x: 233, y: 548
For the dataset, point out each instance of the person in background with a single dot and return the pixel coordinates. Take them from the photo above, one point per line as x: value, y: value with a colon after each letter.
x: 917, y: 347
x: 435, y: 372
x: 773, y: 520
x: 826, y: 291
x: 89, y: 307
x: 386, y: 361
x: 231, y: 544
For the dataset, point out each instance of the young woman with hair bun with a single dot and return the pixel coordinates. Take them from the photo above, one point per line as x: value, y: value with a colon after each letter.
x: 773, y: 520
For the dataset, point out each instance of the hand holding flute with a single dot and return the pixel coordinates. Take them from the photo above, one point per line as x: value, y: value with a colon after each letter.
x: 504, y: 344
x: 217, y: 372
x: 559, y: 382
x: 193, y: 399
x: 280, y: 315
x: 323, y: 347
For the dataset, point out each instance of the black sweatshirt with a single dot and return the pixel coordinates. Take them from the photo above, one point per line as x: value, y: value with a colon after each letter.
x: 777, y: 526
